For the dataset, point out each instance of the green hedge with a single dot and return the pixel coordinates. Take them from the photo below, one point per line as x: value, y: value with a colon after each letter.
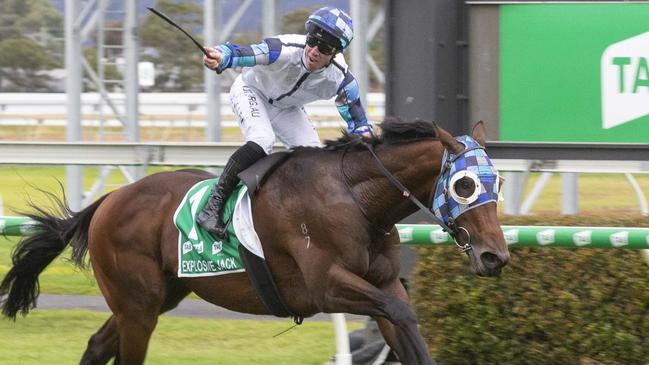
x: 550, y: 306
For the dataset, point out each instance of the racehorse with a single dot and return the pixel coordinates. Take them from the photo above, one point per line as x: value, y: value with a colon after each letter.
x: 326, y: 218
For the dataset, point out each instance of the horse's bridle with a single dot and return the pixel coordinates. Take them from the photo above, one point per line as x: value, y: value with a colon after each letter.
x: 451, y: 228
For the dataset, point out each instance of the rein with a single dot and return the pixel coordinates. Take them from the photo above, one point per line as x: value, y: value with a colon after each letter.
x: 452, y: 229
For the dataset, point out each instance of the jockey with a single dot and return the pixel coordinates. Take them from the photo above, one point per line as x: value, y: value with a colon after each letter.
x: 279, y: 76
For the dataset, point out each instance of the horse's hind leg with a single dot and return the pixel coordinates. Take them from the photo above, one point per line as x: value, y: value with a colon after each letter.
x: 136, y: 290
x: 104, y: 344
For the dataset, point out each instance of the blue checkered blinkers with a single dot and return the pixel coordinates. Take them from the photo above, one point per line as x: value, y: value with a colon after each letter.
x: 467, y: 180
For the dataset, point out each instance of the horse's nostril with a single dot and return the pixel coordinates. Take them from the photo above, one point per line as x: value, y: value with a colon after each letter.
x: 490, y: 260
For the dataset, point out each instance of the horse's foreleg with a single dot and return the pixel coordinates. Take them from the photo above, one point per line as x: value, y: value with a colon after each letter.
x: 400, y: 337
x: 349, y: 293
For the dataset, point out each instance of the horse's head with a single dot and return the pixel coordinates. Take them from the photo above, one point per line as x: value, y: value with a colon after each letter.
x: 465, y: 200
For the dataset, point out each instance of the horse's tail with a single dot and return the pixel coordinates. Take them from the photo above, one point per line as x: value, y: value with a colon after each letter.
x: 45, y: 240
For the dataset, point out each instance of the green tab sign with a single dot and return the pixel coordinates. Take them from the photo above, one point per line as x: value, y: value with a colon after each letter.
x: 574, y: 72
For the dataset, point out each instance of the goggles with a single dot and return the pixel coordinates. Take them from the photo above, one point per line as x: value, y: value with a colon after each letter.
x: 323, y: 47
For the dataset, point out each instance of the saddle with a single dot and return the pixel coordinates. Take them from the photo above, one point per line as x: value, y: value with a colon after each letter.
x: 255, y: 175
x: 258, y: 272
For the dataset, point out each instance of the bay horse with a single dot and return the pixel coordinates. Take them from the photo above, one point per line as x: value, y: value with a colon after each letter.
x: 347, y: 260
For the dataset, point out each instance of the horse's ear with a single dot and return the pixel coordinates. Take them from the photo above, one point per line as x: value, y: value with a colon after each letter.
x: 450, y: 143
x: 479, y: 133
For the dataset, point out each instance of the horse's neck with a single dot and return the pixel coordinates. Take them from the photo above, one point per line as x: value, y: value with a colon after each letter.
x: 415, y: 165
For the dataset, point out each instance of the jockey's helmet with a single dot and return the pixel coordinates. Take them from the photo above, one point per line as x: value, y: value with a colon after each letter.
x: 331, y: 25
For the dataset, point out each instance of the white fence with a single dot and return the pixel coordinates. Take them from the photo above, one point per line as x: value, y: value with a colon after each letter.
x: 156, y: 109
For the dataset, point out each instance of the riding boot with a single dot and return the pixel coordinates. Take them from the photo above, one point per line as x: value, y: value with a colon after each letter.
x: 210, y: 217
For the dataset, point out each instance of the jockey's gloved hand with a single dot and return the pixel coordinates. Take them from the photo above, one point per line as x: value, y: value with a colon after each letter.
x: 213, y: 59
x: 364, y: 131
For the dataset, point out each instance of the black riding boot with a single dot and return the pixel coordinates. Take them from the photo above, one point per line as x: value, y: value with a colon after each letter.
x: 210, y: 217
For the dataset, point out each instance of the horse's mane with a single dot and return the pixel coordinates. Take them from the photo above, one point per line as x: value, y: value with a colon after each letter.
x: 394, y: 130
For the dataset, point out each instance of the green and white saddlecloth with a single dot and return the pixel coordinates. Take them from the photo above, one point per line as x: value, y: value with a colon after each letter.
x: 200, y: 253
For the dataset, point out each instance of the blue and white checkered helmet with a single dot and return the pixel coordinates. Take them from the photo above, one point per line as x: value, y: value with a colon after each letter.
x: 333, y: 21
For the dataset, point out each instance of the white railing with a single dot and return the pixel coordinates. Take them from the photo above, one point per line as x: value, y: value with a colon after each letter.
x: 156, y: 109
x: 217, y: 154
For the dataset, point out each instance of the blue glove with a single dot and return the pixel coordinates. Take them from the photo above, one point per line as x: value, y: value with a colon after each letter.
x: 364, y: 131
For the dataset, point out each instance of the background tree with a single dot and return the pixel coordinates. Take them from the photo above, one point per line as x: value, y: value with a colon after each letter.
x: 293, y: 22
x: 178, y: 63
x: 30, y: 44
x: 22, y: 62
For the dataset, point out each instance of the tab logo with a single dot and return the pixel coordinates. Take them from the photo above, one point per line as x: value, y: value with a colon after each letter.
x: 625, y: 81
x: 511, y: 236
x: 217, y: 247
x: 582, y: 238
x: 187, y: 247
x: 545, y: 237
x: 619, y: 239
x: 439, y: 236
x: 405, y: 234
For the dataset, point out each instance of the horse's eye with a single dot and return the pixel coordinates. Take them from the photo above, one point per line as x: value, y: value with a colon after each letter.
x: 465, y: 187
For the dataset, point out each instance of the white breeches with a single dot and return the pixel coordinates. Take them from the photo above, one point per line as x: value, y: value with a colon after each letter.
x: 262, y: 122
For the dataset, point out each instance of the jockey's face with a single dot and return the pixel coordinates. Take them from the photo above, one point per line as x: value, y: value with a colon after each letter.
x: 314, y: 59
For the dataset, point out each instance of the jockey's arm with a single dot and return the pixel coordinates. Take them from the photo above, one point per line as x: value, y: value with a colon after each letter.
x: 230, y: 55
x: 351, y: 109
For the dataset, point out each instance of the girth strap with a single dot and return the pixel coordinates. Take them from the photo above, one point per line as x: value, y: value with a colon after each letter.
x: 262, y: 280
